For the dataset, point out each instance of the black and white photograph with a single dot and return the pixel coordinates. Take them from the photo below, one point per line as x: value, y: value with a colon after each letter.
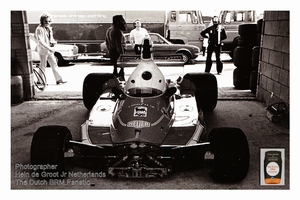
x: 151, y: 98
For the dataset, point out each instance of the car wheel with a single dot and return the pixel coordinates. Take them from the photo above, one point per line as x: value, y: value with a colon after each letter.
x: 230, y: 150
x: 92, y: 88
x: 185, y: 56
x: 60, y: 60
x: 50, y: 146
x: 206, y: 93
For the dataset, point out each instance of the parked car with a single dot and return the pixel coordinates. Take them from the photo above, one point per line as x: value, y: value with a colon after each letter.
x: 160, y: 46
x: 64, y: 53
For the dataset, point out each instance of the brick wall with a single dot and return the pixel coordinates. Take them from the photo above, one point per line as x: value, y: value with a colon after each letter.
x: 274, y: 67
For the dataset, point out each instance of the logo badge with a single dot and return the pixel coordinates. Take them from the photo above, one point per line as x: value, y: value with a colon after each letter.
x: 140, y: 111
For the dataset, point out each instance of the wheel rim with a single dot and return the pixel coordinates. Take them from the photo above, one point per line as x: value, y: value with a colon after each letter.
x: 185, y: 58
x: 39, y: 79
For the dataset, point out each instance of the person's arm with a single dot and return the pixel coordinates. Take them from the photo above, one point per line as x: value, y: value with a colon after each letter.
x: 204, y: 33
x: 131, y: 38
x: 52, y: 40
x: 120, y: 42
x: 223, y: 34
x: 146, y: 33
x: 40, y: 38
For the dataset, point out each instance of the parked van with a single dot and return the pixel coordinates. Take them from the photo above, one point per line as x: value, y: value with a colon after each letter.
x: 184, y: 27
x: 87, y: 29
x: 230, y: 20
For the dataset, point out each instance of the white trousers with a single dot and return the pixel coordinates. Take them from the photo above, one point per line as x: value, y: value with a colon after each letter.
x: 53, y: 64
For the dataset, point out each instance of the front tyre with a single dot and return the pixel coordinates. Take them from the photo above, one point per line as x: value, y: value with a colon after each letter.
x: 230, y: 148
x: 206, y: 93
x: 92, y: 88
x: 50, y: 146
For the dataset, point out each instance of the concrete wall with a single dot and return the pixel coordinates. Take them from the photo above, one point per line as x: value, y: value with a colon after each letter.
x: 21, y: 64
x: 274, y: 67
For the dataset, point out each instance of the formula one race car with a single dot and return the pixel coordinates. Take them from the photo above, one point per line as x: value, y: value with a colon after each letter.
x: 147, y: 126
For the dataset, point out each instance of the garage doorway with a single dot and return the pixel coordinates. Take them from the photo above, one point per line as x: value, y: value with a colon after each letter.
x: 75, y: 72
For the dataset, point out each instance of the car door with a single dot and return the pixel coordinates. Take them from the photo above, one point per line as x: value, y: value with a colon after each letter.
x: 160, y: 46
x: 129, y: 47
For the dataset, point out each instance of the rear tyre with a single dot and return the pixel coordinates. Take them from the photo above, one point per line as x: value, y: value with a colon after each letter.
x: 259, y: 27
x: 206, y: 90
x: 50, y: 146
x: 253, y: 81
x: 255, y: 57
x: 242, y: 57
x: 241, y: 78
x: 234, y: 45
x: 247, y: 41
x: 247, y: 29
x: 231, y: 154
x: 92, y: 88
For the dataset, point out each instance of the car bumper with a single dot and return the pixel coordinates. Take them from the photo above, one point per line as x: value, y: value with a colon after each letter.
x: 73, y: 57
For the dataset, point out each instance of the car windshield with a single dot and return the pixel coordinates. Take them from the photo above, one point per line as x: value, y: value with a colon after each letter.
x: 157, y: 40
x: 144, y: 92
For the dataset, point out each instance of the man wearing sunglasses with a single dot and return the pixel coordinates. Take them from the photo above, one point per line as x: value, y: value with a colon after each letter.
x: 215, y: 34
x: 45, y: 46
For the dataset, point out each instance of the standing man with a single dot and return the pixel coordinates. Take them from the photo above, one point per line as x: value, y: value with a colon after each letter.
x: 215, y: 34
x: 115, y: 42
x: 137, y: 35
x: 45, y: 46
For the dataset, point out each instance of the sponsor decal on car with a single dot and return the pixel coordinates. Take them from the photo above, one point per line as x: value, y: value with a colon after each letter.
x: 140, y: 111
x: 138, y: 124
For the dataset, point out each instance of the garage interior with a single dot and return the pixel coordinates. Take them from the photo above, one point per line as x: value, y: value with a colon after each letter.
x: 273, y: 85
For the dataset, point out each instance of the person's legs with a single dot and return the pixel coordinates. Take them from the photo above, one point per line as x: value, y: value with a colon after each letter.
x: 208, y: 59
x: 114, y: 59
x: 43, y: 64
x: 54, y: 66
x: 218, y: 59
x: 122, y: 73
x: 137, y: 49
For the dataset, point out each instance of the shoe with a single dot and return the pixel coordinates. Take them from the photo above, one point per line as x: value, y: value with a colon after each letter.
x: 219, y: 73
x: 60, y: 82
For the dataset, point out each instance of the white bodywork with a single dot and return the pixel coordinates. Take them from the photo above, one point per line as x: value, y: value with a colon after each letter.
x: 185, y: 115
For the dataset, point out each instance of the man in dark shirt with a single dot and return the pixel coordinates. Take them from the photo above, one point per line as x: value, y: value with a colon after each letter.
x: 215, y: 34
x: 115, y: 42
